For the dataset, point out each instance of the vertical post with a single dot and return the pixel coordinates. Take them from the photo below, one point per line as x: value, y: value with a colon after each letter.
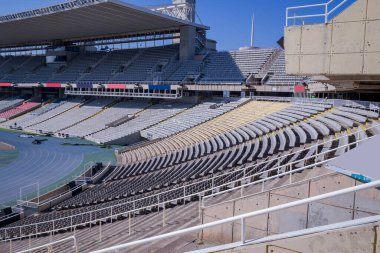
x: 90, y: 219
x: 326, y: 12
x: 158, y: 202
x: 75, y: 245
x: 262, y: 186
x: 163, y: 215
x: 100, y: 230
x: 71, y: 222
x: 200, y: 205
x: 129, y: 223
x: 290, y: 175
x: 243, y: 230
x: 287, y: 12
x: 212, y: 185
x: 10, y: 246
x: 38, y: 194
x: 111, y: 215
x: 316, y: 153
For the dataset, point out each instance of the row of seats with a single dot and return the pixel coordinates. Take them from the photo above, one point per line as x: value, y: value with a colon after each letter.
x: 26, y: 106
x: 192, y: 117
x: 140, y: 121
x: 101, y: 121
x: 72, y: 117
x: 43, y: 114
x: 199, y: 134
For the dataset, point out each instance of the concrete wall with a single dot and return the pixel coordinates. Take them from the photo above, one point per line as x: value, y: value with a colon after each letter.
x: 338, y: 209
x: 347, y: 45
x: 361, y: 239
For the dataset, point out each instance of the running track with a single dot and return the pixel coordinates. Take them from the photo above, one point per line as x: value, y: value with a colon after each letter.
x: 46, y: 163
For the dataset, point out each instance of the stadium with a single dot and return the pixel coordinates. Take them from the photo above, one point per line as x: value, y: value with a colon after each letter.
x: 124, y: 129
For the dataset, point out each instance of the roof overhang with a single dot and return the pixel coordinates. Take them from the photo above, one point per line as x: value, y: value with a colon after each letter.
x: 84, y: 20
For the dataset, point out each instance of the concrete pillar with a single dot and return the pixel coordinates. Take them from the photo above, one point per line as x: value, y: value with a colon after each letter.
x: 187, y: 45
x: 61, y: 93
x: 37, y: 92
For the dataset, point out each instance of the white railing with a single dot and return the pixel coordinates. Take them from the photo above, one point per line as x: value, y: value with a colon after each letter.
x: 323, y: 10
x: 124, y: 93
x: 49, y: 245
x: 242, y: 218
x: 181, y: 193
x: 375, y: 106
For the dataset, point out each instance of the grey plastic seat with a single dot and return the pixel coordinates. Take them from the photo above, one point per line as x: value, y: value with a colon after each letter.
x: 323, y: 129
x: 310, y: 130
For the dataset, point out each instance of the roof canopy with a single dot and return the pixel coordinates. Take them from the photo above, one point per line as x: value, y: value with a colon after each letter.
x: 84, y: 20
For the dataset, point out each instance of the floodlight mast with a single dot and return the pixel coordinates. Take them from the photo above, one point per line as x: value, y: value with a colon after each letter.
x: 253, y: 30
x: 182, y: 9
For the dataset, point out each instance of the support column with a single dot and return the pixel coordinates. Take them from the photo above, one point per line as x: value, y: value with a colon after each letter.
x: 187, y: 43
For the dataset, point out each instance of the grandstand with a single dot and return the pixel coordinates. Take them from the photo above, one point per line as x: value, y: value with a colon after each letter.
x: 138, y: 135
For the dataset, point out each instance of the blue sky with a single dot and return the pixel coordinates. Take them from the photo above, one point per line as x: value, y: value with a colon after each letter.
x: 229, y: 20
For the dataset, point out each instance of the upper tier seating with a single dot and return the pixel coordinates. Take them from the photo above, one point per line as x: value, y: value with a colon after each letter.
x: 144, y: 65
x: 77, y: 67
x: 234, y: 66
x: 110, y: 65
x: 220, y: 66
x: 21, y: 73
x: 279, y: 76
x: 190, y: 67
x: 149, y: 64
x: 9, y: 64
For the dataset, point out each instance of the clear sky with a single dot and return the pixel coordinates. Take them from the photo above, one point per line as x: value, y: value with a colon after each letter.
x: 229, y: 20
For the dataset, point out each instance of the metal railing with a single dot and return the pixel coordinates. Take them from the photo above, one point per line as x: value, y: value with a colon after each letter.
x: 124, y: 93
x: 323, y: 10
x: 242, y: 218
x: 375, y: 106
x: 181, y: 193
x: 48, y: 245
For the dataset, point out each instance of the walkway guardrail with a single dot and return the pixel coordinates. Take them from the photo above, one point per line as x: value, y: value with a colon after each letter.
x: 49, y: 245
x: 181, y: 193
x: 318, y: 11
x: 375, y: 106
x: 242, y: 218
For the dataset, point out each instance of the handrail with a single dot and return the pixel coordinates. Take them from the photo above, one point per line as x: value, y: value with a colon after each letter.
x: 52, y: 243
x: 326, y: 12
x: 242, y: 217
x: 112, y: 215
x: 293, y: 234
